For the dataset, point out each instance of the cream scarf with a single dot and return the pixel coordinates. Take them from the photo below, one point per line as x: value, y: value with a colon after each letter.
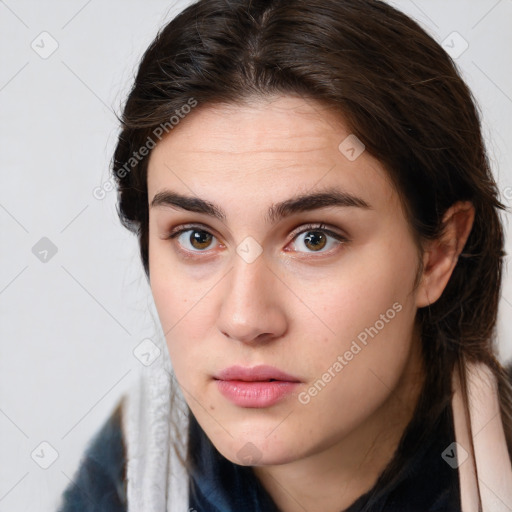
x: 157, y: 482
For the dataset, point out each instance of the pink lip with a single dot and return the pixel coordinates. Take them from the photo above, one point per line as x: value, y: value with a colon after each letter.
x: 251, y: 387
x: 259, y: 373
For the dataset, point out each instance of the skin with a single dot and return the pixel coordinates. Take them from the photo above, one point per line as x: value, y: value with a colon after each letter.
x: 297, y: 306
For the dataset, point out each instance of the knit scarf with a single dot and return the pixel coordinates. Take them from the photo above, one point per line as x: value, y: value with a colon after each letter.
x: 157, y: 481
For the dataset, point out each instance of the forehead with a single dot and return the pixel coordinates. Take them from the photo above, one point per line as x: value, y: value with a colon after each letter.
x: 281, y: 145
x: 275, y: 124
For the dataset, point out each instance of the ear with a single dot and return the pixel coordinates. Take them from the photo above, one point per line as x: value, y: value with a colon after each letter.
x: 441, y: 255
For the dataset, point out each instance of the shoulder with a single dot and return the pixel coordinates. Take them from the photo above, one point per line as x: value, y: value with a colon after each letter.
x: 99, y: 484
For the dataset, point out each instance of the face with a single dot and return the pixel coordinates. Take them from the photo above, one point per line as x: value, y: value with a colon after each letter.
x: 272, y: 241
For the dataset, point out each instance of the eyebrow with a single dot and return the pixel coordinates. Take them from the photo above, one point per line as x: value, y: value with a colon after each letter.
x: 305, y: 202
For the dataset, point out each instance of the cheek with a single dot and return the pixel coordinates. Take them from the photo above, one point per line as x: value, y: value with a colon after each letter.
x: 178, y: 303
x: 174, y: 292
x: 356, y: 369
x: 365, y: 286
x: 187, y: 315
x: 369, y: 310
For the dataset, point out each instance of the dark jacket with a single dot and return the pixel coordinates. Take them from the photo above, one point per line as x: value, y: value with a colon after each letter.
x: 99, y: 484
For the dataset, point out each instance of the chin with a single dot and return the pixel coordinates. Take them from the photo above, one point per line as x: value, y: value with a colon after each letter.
x: 251, y: 449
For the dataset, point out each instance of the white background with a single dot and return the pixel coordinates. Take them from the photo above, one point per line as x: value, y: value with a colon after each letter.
x: 69, y: 325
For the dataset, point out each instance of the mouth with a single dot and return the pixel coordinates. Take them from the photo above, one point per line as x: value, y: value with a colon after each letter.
x: 257, y: 387
x: 261, y: 373
x: 255, y: 380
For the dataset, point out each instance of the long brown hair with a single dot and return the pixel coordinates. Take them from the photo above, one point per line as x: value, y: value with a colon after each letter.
x: 406, y: 102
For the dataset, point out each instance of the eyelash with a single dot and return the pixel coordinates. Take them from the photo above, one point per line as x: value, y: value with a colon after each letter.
x: 318, y: 227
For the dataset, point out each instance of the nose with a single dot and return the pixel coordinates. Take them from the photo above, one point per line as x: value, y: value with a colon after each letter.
x: 251, y: 309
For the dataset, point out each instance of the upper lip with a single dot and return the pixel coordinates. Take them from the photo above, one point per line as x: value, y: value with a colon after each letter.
x: 256, y: 373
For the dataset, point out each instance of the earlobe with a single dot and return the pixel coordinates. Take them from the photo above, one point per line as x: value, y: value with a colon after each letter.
x: 441, y: 255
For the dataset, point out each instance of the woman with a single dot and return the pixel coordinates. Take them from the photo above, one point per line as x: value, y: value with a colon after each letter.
x: 320, y: 229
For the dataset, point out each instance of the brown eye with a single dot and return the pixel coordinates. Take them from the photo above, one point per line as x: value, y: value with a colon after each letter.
x: 315, y: 240
x: 194, y: 239
x: 200, y: 239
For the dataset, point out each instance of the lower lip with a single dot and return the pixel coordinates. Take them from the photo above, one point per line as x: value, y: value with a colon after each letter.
x: 255, y: 394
